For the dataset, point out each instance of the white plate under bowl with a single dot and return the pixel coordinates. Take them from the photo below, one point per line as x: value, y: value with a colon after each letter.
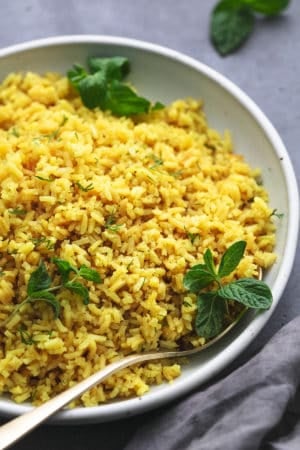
x: 165, y: 75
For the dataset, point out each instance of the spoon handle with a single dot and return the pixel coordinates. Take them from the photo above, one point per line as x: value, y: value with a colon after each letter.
x: 13, y: 430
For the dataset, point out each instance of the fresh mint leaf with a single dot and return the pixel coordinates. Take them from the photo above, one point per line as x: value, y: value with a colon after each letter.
x: 213, y: 305
x: 232, y: 21
x: 208, y: 259
x: 121, y: 100
x: 40, y: 287
x: 248, y: 291
x: 197, y: 278
x: 210, y: 315
x: 93, y: 89
x: 103, y: 87
x: 157, y: 106
x: 39, y: 280
x: 89, y: 274
x: 47, y: 297
x: 114, y: 68
x: 78, y: 289
x: 229, y: 4
x: 64, y: 268
x: 77, y: 74
x: 231, y: 24
x: 231, y: 258
x: 267, y: 7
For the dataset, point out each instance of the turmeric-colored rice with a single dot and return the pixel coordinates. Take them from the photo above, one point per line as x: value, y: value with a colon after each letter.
x: 173, y: 187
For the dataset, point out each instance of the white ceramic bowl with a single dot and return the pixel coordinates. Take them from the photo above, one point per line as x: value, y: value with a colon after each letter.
x: 165, y: 75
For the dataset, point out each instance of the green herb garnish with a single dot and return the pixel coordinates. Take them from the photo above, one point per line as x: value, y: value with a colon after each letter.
x: 54, y: 135
x: 129, y: 264
x: 192, y: 236
x: 276, y: 214
x: 12, y: 252
x: 88, y: 187
x: 30, y: 339
x: 39, y: 177
x: 186, y: 303
x: 40, y: 286
x: 48, y: 243
x: 18, y: 211
x: 157, y: 161
x: 26, y: 338
x: 177, y: 173
x: 212, y: 306
x: 102, y: 87
x: 111, y: 223
x: 65, y: 268
x: 232, y: 21
x: 14, y: 132
x: 267, y: 7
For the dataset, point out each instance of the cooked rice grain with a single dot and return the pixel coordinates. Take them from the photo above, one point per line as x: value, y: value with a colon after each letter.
x: 66, y: 173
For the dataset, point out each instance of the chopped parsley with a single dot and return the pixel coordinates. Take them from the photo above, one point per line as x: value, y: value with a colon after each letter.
x: 26, y: 337
x: 30, y: 339
x: 88, y: 187
x: 192, y: 236
x: 157, y: 161
x: 111, y: 223
x: 186, y: 303
x: 14, y: 132
x: 50, y: 179
x: 18, y: 211
x: 43, y: 240
x: 177, y: 173
x: 55, y: 134
x: 276, y: 214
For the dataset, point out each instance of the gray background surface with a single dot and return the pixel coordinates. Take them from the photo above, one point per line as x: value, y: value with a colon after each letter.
x: 267, y: 68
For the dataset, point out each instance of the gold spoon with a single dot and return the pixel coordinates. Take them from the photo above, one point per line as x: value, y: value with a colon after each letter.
x: 13, y: 430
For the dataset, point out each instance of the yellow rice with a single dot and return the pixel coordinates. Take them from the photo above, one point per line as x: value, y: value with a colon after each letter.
x: 165, y: 177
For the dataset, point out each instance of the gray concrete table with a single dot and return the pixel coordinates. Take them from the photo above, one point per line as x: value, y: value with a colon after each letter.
x: 267, y: 68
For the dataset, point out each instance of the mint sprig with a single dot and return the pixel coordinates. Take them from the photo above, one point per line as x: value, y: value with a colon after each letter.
x: 103, y: 87
x: 212, y: 305
x: 41, y: 285
x: 232, y: 21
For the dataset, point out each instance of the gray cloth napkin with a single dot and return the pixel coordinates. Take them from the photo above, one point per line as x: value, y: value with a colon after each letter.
x: 255, y: 407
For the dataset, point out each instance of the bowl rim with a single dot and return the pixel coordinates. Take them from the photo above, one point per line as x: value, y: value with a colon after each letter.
x: 133, y: 406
